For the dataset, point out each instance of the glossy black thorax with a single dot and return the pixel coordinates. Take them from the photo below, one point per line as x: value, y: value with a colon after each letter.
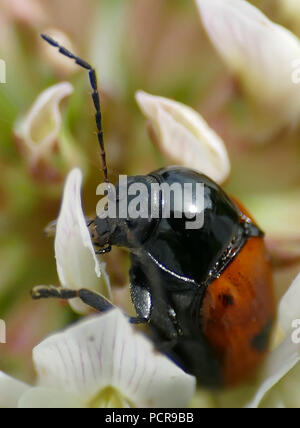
x: 194, y: 254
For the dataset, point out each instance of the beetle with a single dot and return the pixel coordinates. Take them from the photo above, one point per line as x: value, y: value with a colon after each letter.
x: 206, y: 293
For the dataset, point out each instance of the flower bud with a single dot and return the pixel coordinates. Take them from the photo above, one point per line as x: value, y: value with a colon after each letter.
x: 184, y: 136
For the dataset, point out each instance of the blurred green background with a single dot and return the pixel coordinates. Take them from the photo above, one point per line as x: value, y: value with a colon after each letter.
x: 154, y: 45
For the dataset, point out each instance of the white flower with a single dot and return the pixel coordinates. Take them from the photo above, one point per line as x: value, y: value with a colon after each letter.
x: 77, y: 264
x: 285, y: 357
x: 11, y: 391
x: 184, y: 137
x: 260, y: 52
x: 38, y: 131
x: 100, y: 362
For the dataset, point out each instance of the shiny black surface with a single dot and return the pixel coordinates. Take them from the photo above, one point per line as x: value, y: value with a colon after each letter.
x: 194, y: 253
x: 171, y: 266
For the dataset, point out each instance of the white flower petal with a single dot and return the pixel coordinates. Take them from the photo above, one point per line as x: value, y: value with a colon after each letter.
x: 289, y: 308
x: 286, y: 393
x: 288, y: 389
x: 278, y: 364
x: 77, y: 264
x: 274, y: 400
x: 10, y: 391
x: 38, y: 131
x: 185, y: 137
x: 105, y: 351
x: 260, y: 52
x: 48, y: 398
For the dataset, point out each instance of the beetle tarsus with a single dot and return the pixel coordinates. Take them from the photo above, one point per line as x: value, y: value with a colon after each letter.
x: 95, y: 300
x: 138, y: 320
x: 89, y: 297
x: 47, y: 292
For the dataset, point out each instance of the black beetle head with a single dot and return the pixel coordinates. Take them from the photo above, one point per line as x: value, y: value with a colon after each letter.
x: 124, y: 217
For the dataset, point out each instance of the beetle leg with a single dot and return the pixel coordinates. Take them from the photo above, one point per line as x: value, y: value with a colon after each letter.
x: 140, y: 294
x: 46, y: 292
x: 89, y: 297
x: 138, y: 320
x: 95, y: 300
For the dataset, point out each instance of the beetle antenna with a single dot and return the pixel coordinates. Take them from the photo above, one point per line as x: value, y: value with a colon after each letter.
x: 95, y: 94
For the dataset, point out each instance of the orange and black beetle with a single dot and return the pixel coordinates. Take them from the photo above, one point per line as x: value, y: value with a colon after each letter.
x: 206, y: 293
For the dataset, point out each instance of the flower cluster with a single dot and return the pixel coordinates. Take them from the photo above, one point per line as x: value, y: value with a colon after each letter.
x: 103, y: 361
